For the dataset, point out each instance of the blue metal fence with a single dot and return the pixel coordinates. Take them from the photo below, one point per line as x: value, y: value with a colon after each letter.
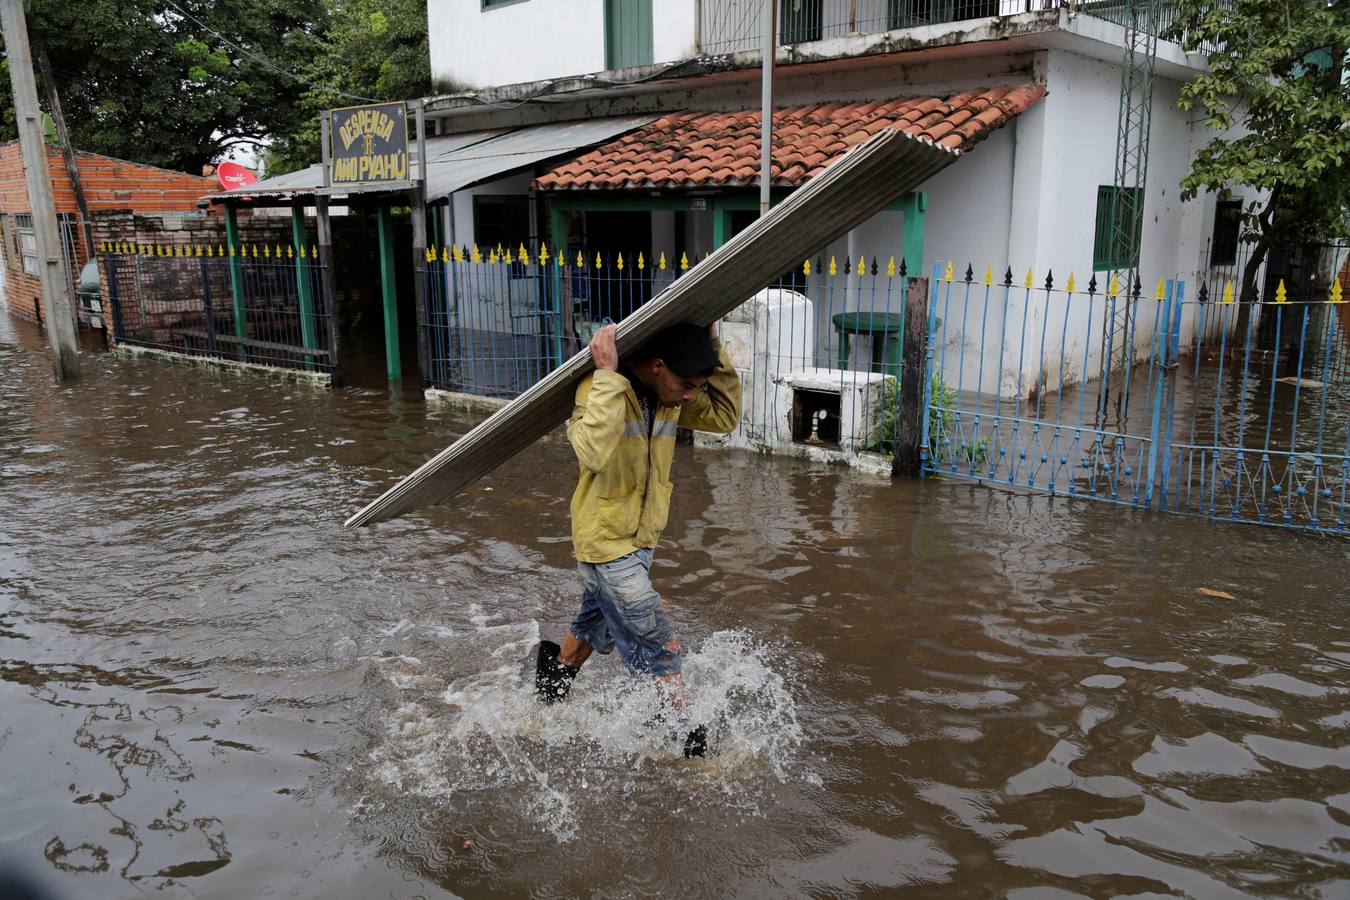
x: 496, y: 323
x: 1207, y: 416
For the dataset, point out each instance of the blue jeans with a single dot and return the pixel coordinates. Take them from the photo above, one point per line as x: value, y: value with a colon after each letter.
x: 620, y: 609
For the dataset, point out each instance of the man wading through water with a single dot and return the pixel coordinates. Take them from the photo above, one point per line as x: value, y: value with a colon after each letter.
x: 623, y: 432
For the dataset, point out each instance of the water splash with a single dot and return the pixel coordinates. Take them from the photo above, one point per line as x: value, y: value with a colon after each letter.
x: 486, y: 732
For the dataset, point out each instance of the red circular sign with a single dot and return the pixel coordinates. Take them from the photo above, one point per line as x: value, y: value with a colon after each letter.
x: 233, y: 175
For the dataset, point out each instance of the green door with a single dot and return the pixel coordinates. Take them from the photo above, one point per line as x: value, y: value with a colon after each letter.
x: 628, y: 33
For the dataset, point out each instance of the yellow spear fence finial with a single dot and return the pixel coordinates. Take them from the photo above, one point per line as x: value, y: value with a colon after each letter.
x: 947, y: 275
x: 1228, y: 292
x: 862, y: 265
x: 477, y: 254
x: 1113, y: 289
x: 1336, y: 292
x: 833, y: 268
x: 1068, y: 286
x: 806, y: 266
x: 523, y: 255
x: 1281, y: 296
x: 642, y: 263
x: 1162, y: 290
x: 1030, y: 278
x: 661, y: 263
x: 890, y: 267
x: 989, y: 276
x: 543, y: 254
x: 684, y: 262
x: 620, y: 262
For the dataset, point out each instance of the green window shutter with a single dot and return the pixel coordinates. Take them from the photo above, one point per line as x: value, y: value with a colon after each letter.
x: 1101, y: 240
x: 1106, y: 253
x: 628, y: 33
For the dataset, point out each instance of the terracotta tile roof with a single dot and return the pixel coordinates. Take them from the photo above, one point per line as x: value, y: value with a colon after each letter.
x: 700, y: 149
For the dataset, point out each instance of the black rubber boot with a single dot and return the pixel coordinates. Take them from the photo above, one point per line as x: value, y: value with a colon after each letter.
x: 552, y: 679
x: 696, y: 743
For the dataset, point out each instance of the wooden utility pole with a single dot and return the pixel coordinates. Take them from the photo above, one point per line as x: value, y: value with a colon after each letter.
x: 54, y: 104
x: 913, y: 369
x: 55, y: 299
x: 423, y: 270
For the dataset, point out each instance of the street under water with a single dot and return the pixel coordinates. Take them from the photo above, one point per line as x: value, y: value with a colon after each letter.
x: 211, y: 689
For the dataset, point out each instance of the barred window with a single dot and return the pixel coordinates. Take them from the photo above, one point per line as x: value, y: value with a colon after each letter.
x: 1227, y: 227
x: 26, y: 239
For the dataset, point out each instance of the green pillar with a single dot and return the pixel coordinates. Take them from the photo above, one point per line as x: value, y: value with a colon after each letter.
x: 721, y: 224
x: 558, y: 234
x: 913, y: 206
x: 236, y: 280
x: 309, y: 332
x: 389, y: 291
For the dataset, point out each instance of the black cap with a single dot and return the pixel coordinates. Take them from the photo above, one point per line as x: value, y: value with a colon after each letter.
x: 686, y: 349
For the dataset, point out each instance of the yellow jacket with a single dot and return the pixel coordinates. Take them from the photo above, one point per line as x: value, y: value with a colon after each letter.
x: 622, y: 498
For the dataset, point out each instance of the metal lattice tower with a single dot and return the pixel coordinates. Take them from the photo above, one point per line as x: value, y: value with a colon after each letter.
x: 1141, y: 21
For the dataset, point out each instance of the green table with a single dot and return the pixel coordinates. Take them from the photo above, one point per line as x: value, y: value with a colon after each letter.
x: 886, y: 331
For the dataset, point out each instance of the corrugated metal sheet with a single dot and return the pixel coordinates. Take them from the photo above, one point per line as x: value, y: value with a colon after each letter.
x: 457, y: 161
x: 850, y: 191
x: 468, y: 166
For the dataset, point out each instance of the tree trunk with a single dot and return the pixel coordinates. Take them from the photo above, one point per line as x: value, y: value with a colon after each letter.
x: 1248, y: 295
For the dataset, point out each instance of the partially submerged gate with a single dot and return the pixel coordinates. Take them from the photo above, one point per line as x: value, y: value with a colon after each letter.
x: 1223, y: 409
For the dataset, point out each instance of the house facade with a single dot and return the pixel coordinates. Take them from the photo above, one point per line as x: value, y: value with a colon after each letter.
x: 1031, y: 96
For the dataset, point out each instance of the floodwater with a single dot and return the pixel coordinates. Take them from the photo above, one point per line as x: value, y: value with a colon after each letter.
x: 211, y: 689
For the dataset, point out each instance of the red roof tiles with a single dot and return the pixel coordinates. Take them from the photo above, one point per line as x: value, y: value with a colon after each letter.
x: 697, y: 150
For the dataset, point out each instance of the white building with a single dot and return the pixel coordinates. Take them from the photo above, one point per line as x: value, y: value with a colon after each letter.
x: 1027, y: 195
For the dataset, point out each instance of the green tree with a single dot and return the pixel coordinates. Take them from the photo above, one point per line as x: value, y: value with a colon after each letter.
x: 1277, y: 89
x: 174, y: 84
x: 376, y: 49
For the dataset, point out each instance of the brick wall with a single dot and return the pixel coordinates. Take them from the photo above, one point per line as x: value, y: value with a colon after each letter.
x: 109, y: 184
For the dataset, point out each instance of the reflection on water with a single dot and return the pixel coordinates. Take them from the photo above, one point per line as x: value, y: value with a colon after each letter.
x: 208, y: 686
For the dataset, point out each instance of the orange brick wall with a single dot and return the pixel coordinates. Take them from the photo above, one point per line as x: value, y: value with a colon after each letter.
x: 108, y: 184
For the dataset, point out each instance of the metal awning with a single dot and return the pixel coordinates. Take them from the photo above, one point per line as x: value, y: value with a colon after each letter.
x: 457, y: 161
x: 497, y: 156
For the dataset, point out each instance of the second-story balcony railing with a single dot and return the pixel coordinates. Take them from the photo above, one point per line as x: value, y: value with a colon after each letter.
x: 728, y: 26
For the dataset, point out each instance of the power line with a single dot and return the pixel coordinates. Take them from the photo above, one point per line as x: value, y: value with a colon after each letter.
x: 261, y: 60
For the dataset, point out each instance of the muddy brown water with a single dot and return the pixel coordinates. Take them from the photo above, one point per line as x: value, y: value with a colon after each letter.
x: 211, y: 689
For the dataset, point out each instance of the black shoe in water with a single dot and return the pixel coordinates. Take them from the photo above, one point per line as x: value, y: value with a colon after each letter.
x: 696, y: 743
x: 552, y: 679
